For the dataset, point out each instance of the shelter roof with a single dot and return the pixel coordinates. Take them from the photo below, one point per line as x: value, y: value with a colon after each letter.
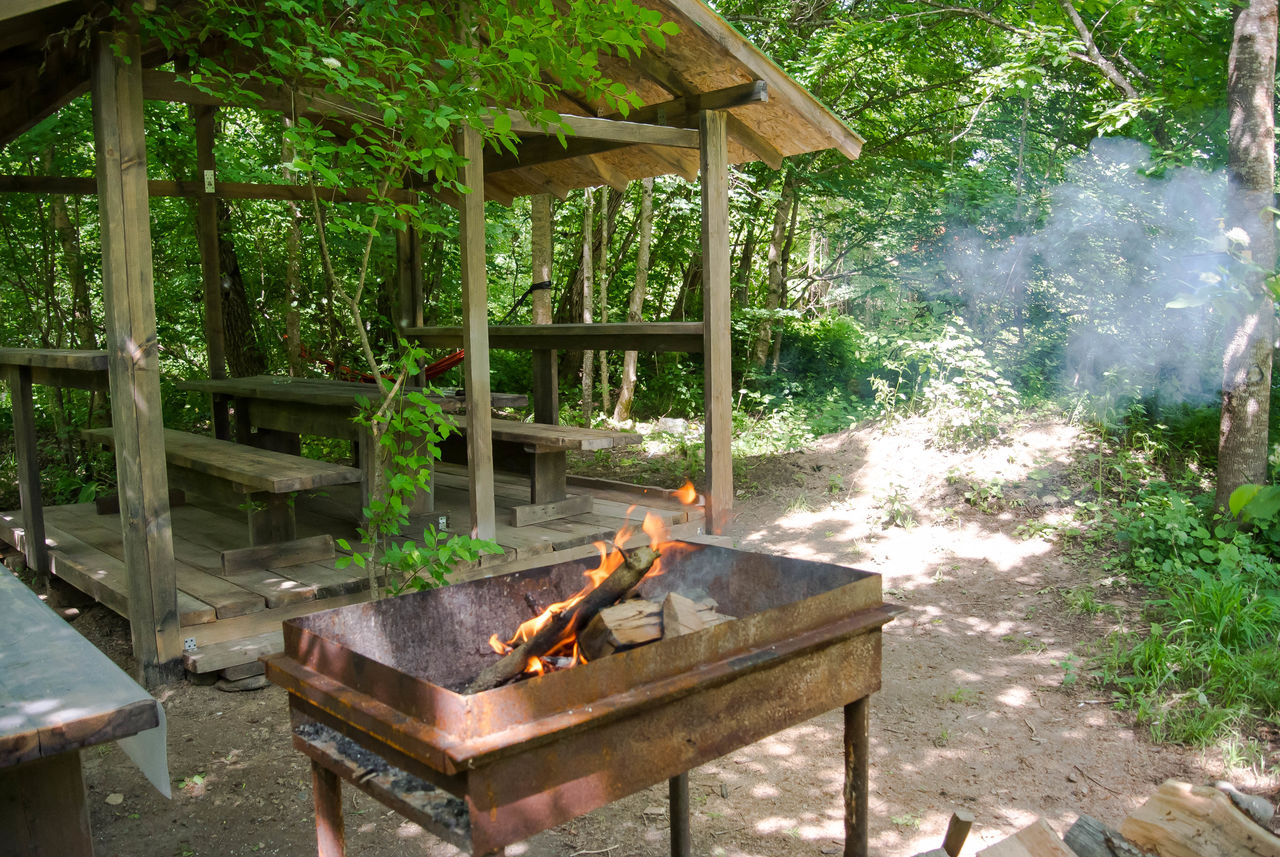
x: 44, y: 64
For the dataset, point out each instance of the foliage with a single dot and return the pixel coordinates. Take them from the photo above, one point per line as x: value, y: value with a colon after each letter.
x: 1207, y: 662
x: 408, y: 434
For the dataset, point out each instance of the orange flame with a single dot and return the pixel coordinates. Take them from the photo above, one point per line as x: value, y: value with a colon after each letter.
x: 610, y: 558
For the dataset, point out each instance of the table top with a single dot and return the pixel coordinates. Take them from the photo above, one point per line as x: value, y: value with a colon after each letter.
x: 55, y: 358
x: 328, y: 392
x: 57, y: 691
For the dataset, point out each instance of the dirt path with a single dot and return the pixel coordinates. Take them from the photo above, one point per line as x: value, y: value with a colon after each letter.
x: 979, y: 708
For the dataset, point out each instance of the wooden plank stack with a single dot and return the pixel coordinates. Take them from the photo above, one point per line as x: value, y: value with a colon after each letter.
x: 1179, y: 820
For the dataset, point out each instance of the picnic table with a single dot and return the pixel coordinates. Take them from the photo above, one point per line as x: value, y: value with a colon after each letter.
x: 280, y: 409
x: 59, y: 694
x: 20, y: 369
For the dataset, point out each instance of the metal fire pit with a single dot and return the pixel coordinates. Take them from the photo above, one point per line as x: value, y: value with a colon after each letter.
x: 374, y: 690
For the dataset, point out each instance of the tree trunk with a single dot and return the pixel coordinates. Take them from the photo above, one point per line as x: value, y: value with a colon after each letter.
x: 742, y: 275
x: 1246, y: 365
x: 777, y: 273
x: 627, y: 387
x: 546, y: 395
x: 244, y: 357
x: 69, y: 240
x: 293, y: 270
x: 587, y: 297
x: 602, y: 275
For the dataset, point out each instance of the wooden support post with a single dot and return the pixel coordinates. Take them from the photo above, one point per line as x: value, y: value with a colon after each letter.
x: 133, y: 364
x: 546, y: 383
x: 409, y: 274
x: 717, y: 377
x: 43, y: 808
x: 24, y: 440
x: 331, y: 839
x: 857, y: 741
x: 210, y: 268
x: 271, y: 518
x: 475, y: 338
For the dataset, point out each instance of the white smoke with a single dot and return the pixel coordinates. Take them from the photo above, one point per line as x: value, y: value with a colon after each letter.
x: 1118, y: 244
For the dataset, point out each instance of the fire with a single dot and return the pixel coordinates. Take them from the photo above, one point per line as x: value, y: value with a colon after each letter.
x: 565, y: 652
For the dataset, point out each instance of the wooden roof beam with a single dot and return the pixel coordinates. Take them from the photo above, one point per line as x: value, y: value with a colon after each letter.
x: 741, y: 133
x: 615, y: 130
x: 81, y: 186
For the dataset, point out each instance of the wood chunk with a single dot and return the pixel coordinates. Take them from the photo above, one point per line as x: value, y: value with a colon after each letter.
x: 1037, y: 840
x: 636, y: 622
x: 631, y: 623
x: 680, y: 616
x: 957, y: 832
x: 278, y: 554
x: 1089, y: 837
x: 1181, y: 820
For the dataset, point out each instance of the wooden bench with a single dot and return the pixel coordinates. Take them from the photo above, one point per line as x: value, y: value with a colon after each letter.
x: 238, y: 474
x: 541, y: 452
x: 58, y: 694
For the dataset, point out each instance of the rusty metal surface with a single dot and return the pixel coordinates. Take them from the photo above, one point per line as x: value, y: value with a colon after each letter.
x: 537, y: 753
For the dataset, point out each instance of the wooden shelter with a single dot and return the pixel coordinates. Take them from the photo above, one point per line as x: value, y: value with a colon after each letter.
x: 711, y: 99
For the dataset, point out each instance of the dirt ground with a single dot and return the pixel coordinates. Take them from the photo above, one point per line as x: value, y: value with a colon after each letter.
x: 985, y: 703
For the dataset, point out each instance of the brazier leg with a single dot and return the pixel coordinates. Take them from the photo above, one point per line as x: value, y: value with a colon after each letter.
x: 856, y: 740
x: 330, y: 835
x: 678, y: 798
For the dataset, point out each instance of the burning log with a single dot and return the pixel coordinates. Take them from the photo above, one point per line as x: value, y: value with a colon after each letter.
x: 624, y: 578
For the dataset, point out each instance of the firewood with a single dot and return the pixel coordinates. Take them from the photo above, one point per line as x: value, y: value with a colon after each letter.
x: 634, y: 567
x: 680, y: 616
x: 635, y: 622
x: 1181, y: 820
x: 631, y: 623
x: 1038, y: 840
x: 1089, y: 837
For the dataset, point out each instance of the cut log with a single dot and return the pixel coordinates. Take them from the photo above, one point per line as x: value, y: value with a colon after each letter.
x: 1089, y: 837
x: 634, y: 567
x: 1038, y: 840
x: 680, y: 616
x: 634, y: 623
x: 957, y: 832
x: 1182, y: 820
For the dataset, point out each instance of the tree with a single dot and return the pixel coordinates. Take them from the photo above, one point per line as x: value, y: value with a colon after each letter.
x: 1246, y: 364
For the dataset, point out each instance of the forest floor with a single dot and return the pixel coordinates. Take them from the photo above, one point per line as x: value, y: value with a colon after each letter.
x: 986, y: 704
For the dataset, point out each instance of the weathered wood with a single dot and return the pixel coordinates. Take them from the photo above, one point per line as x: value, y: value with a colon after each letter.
x: 26, y: 451
x: 1036, y: 840
x: 624, y: 578
x: 546, y: 384
x: 684, y: 111
x: 716, y: 318
x: 638, y: 621
x: 536, y: 513
x: 1181, y: 820
x: 547, y: 478
x: 678, y: 809
x: 210, y: 263
x: 232, y: 653
x: 57, y: 692
x: 247, y: 468
x: 1089, y: 837
x: 599, y: 128
x: 75, y: 186
x: 957, y: 832
x: 43, y: 809
x: 109, y: 504
x: 279, y: 555
x: 55, y: 358
x: 662, y: 336
x: 475, y: 337
x: 133, y: 355
x: 271, y: 519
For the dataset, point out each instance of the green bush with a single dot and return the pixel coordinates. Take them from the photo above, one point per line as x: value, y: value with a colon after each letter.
x: 1209, y: 660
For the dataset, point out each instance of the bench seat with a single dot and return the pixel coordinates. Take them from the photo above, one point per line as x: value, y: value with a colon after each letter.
x: 540, y: 451
x: 234, y: 472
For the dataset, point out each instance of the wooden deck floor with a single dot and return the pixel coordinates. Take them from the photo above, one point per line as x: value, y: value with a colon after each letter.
x: 231, y: 620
